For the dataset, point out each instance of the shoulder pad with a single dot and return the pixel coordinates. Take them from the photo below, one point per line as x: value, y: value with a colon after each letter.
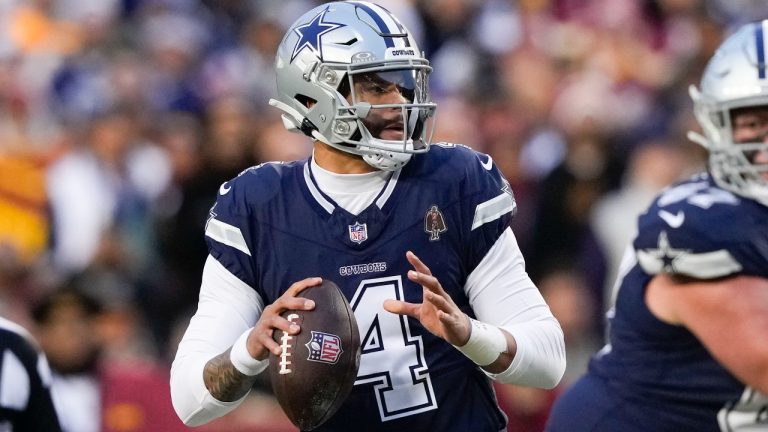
x: 697, y: 229
x: 255, y: 185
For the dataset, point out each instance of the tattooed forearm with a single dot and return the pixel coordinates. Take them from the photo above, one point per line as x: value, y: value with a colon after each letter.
x: 225, y: 382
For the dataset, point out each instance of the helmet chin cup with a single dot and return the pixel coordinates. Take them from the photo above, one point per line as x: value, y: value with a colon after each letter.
x: 388, y: 161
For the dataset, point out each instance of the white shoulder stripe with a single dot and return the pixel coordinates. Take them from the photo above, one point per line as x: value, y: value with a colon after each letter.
x: 708, y: 265
x: 493, y: 209
x: 14, y: 383
x: 227, y: 234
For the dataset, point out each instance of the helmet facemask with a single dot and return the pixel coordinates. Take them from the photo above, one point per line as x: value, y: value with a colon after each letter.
x: 732, y: 164
x: 384, y: 114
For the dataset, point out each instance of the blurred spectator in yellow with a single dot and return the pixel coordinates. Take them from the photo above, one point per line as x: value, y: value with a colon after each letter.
x: 32, y: 26
x: 24, y: 223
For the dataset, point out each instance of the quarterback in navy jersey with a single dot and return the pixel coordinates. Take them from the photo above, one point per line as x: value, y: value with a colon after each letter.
x: 416, y: 235
x: 687, y: 349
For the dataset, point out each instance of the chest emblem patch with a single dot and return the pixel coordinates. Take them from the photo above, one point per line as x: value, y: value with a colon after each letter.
x: 434, y: 223
x: 358, y: 232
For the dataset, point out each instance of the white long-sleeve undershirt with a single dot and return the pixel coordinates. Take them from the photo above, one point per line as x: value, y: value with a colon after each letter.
x: 499, y: 291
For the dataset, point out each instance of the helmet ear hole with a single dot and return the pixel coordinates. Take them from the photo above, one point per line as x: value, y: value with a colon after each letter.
x: 719, y: 119
x: 344, y: 89
x: 305, y: 100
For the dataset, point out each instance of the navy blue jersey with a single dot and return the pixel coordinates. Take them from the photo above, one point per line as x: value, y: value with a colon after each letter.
x: 25, y: 399
x: 272, y: 226
x: 656, y: 376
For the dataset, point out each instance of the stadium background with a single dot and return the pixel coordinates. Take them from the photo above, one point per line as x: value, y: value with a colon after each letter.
x: 119, y: 119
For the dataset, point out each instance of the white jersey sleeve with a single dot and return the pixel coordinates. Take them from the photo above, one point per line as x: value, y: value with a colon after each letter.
x: 501, y: 293
x: 227, y: 308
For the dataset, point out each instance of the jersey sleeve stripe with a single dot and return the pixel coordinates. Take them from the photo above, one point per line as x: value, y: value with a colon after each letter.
x: 14, y: 383
x: 707, y: 265
x: 493, y: 209
x: 227, y: 234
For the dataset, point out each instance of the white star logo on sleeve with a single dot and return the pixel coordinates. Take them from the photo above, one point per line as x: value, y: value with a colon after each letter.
x: 704, y: 265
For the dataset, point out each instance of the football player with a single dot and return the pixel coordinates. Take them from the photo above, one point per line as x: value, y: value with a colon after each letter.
x: 687, y: 348
x: 25, y: 383
x: 416, y: 235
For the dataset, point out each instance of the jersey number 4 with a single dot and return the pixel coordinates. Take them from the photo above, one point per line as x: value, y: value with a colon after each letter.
x: 392, y: 359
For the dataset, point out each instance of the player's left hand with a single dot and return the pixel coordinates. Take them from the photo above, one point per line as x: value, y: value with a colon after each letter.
x: 437, y: 312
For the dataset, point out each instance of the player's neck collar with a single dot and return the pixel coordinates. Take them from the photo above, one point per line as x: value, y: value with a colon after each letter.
x: 334, y: 183
x: 386, y: 185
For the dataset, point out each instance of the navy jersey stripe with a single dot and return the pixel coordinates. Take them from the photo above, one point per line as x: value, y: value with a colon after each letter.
x: 379, y: 22
x: 400, y: 27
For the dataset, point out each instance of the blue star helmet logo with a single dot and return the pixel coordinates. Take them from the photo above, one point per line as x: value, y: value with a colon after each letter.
x: 310, y: 34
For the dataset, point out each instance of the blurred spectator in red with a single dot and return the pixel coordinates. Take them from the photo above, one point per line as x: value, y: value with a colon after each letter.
x: 97, y: 385
x: 562, y: 236
x: 570, y: 300
x: 527, y: 408
x: 571, y: 303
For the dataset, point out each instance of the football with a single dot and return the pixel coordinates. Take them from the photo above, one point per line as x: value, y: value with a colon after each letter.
x: 318, y: 366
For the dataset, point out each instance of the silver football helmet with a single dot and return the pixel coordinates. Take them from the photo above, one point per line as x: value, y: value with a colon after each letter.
x: 735, y: 77
x: 332, y: 47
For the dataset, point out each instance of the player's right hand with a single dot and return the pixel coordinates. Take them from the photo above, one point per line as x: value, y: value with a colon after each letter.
x: 260, y: 341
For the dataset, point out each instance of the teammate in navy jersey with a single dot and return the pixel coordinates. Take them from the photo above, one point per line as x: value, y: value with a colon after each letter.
x: 417, y: 239
x: 687, y: 348
x: 25, y: 382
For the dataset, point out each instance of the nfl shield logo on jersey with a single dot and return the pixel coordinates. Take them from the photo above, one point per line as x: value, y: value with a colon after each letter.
x: 324, y: 347
x: 358, y: 232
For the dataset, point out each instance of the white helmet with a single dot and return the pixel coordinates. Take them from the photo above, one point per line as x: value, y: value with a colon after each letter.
x: 315, y: 65
x: 735, y: 77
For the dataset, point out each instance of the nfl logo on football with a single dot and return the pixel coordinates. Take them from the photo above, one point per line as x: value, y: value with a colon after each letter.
x: 324, y: 347
x: 358, y: 232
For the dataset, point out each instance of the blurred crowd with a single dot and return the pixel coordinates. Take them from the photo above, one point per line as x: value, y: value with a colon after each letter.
x: 119, y: 119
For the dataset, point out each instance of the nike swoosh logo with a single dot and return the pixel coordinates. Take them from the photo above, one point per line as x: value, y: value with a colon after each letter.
x: 224, y: 188
x: 487, y: 164
x: 673, y: 220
